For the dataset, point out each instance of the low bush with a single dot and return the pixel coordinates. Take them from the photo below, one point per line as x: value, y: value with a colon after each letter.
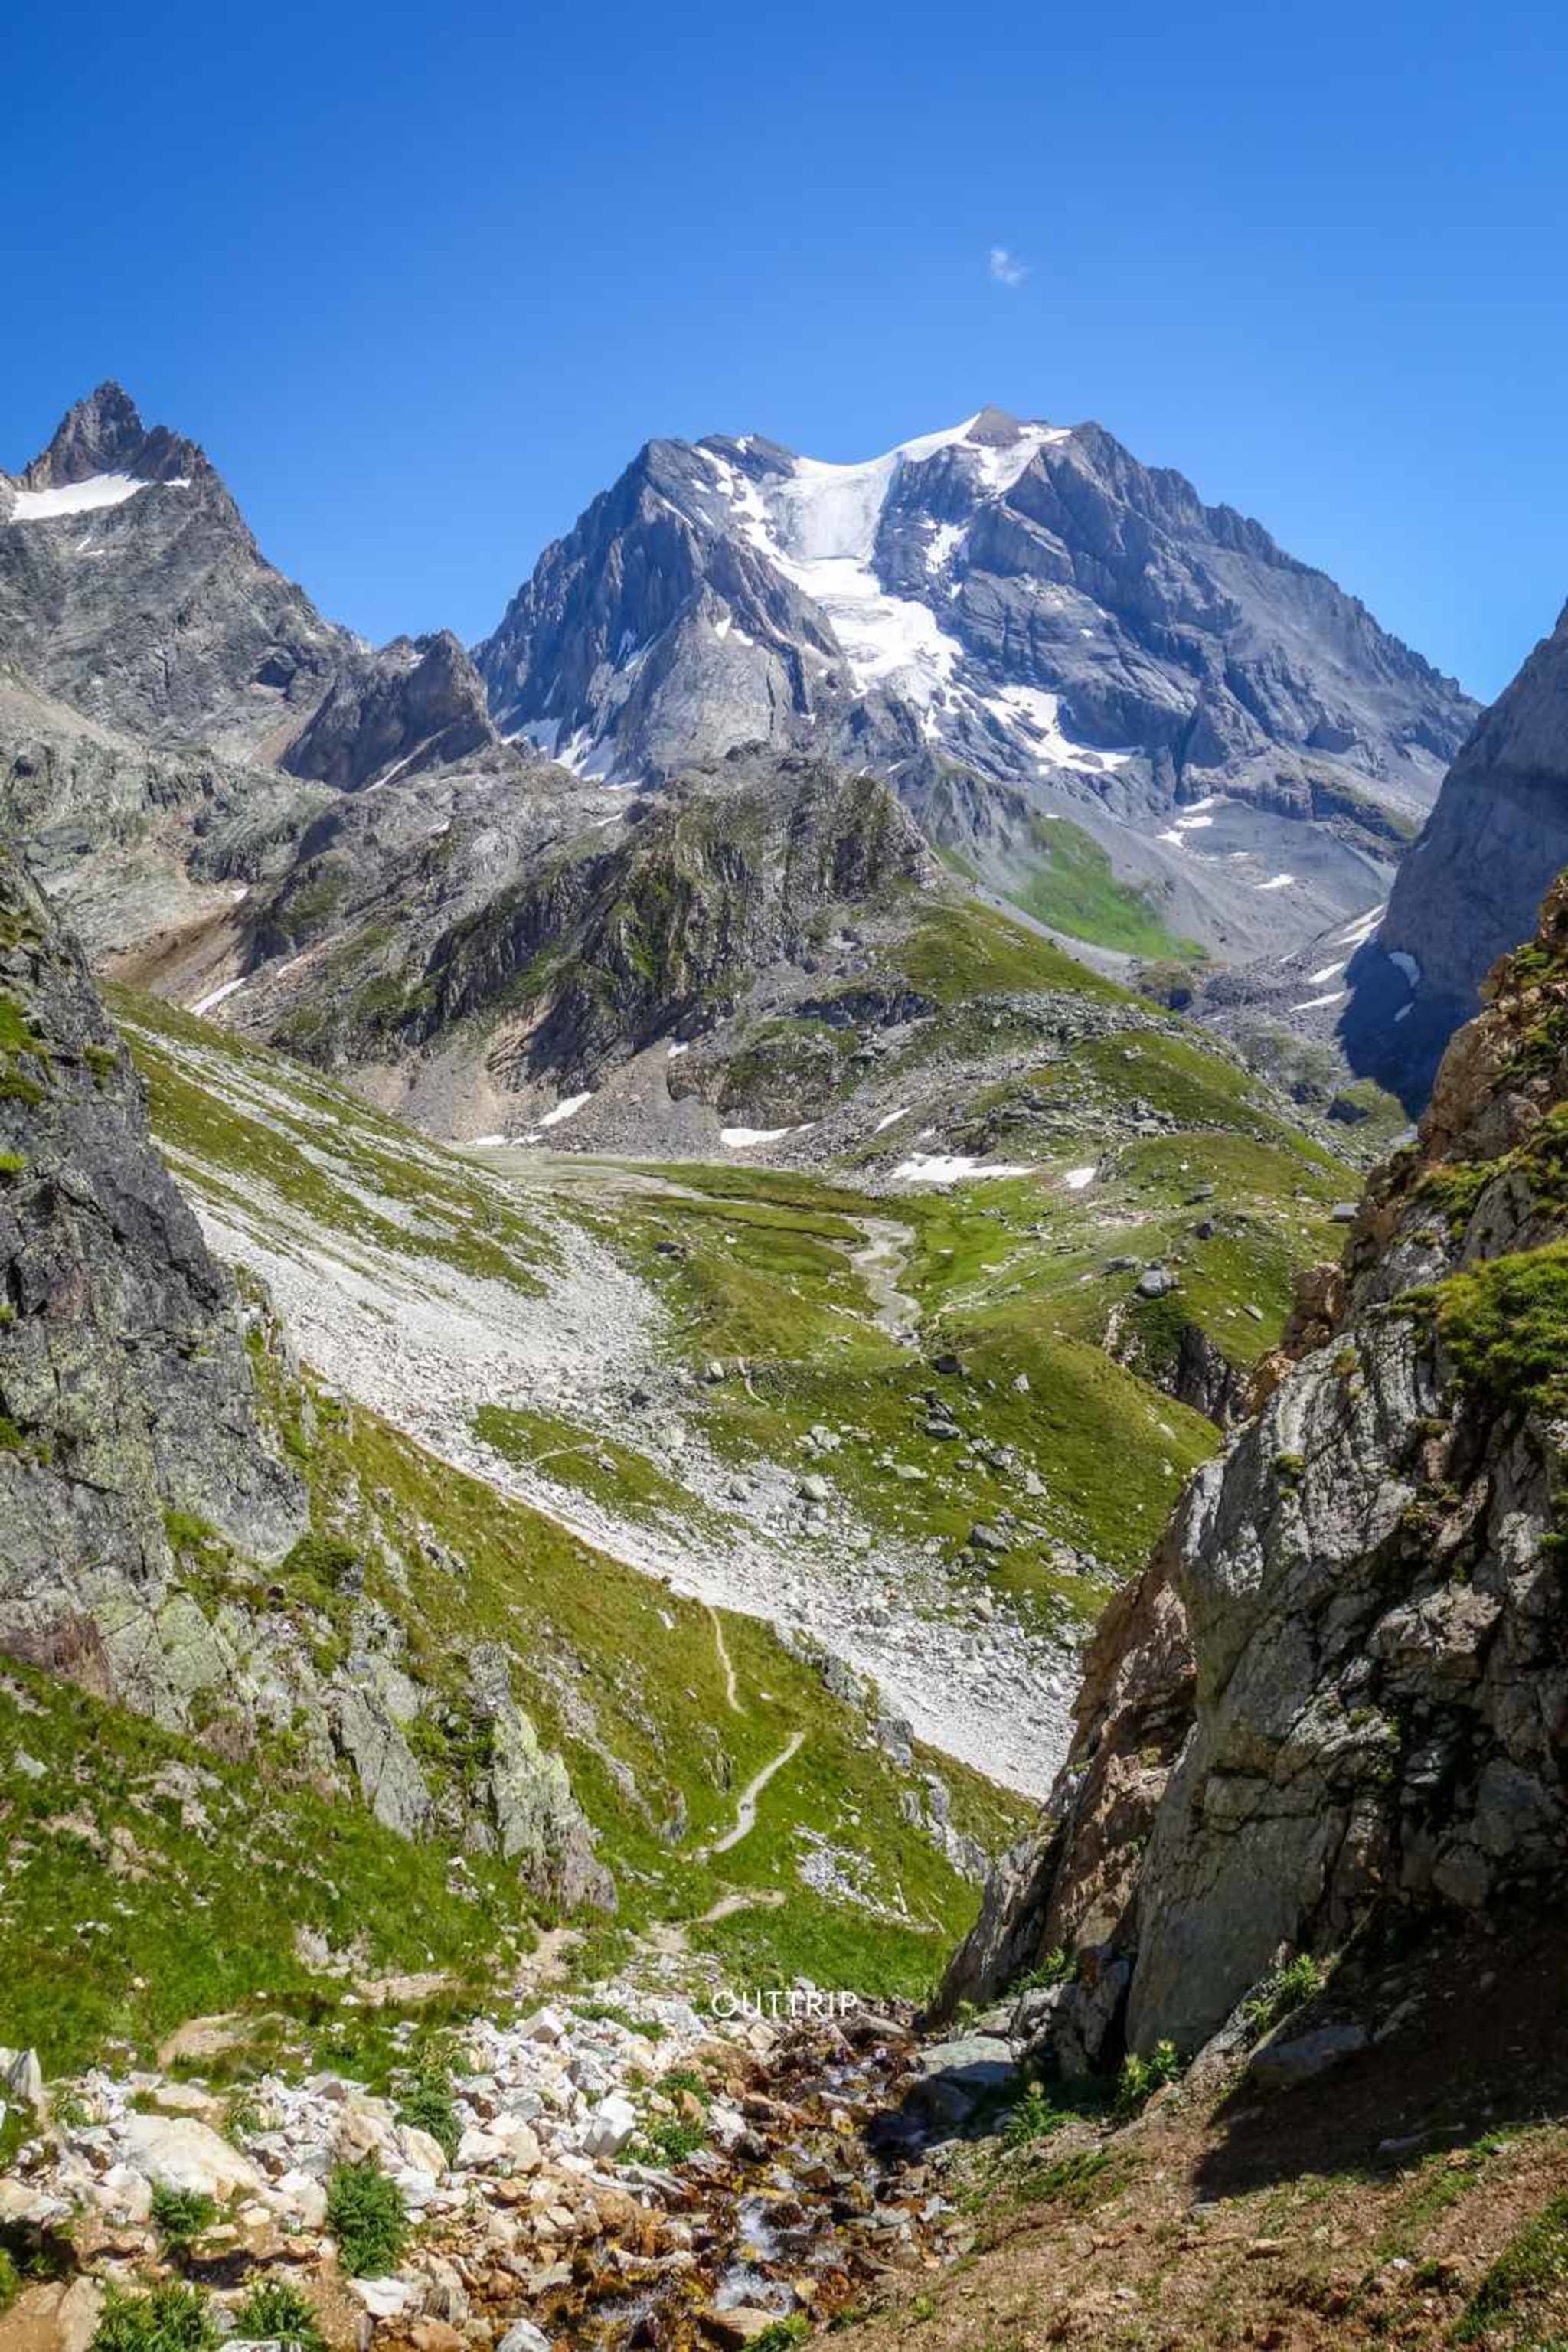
x: 173, y: 2317
x: 367, y: 2216
x: 275, y: 2312
x: 180, y: 2215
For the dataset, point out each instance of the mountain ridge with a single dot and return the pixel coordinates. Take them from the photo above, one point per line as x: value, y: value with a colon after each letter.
x: 1026, y: 603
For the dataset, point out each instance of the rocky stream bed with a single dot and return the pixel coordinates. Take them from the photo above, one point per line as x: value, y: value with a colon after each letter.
x: 633, y: 2169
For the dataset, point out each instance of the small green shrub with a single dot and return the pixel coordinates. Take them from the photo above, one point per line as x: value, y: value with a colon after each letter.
x: 366, y: 2215
x: 10, y: 2282
x: 671, y: 2140
x: 427, y: 2106
x: 685, y: 2078
x: 175, y: 2317
x: 243, y: 2115
x: 1053, y: 1970
x: 180, y: 2215
x: 275, y: 2311
x: 11, y: 1164
x: 1140, y: 2078
x: 783, y: 2335
x: 1505, y: 1324
x: 1029, y: 2118
x: 187, y: 1531
x: 1291, y: 1987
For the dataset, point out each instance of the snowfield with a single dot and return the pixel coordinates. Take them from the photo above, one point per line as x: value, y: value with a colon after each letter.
x: 98, y: 491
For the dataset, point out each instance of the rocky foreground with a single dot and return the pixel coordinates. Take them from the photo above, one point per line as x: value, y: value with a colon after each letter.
x: 634, y: 2167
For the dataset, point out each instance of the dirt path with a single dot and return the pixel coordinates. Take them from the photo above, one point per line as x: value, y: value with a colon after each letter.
x: 730, y: 1692
x: 746, y: 1810
x: 880, y: 1263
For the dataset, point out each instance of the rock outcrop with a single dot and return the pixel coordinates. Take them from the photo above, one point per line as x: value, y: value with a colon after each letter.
x: 418, y: 705
x: 1469, y: 888
x: 657, y: 931
x: 1340, y: 1689
x: 127, y: 1399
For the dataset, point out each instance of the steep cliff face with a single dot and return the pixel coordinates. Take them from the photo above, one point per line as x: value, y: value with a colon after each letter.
x: 1341, y: 1687
x: 418, y: 705
x: 127, y: 1404
x: 1469, y: 888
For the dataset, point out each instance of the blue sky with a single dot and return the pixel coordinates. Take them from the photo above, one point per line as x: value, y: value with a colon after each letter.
x: 422, y: 287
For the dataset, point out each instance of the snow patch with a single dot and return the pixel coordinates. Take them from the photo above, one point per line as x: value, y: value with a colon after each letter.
x: 742, y: 1138
x: 1362, y: 930
x: 1315, y: 1003
x: 219, y: 995
x: 891, y: 1119
x: 944, y: 538
x: 1000, y: 468
x: 1316, y: 978
x: 947, y: 1167
x: 1194, y: 818
x: 676, y: 1049
x: 818, y: 524
x: 1277, y: 882
x: 85, y: 498
x: 1039, y: 714
x: 1076, y: 1178
x: 567, y: 1109
x: 1406, y: 965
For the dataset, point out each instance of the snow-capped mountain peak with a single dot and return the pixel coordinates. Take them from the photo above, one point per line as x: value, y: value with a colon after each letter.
x: 1012, y: 621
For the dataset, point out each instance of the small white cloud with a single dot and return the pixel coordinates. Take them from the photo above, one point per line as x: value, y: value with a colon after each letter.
x: 1005, y: 268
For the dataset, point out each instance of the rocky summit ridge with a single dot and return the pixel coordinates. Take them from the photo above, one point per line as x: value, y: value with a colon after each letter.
x: 1017, y: 624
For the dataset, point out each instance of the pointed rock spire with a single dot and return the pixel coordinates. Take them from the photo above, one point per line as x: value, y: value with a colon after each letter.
x: 104, y: 435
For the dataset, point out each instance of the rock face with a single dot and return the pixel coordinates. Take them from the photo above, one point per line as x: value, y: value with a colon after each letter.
x: 1469, y: 889
x: 132, y: 592
x: 419, y: 705
x: 144, y: 1492
x: 1009, y: 620
x: 131, y: 589
x: 125, y: 1388
x: 1339, y: 1686
x: 654, y: 931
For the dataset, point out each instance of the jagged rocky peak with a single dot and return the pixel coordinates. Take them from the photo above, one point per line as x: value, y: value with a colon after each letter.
x: 127, y: 1397
x: 133, y: 592
x: 1470, y: 887
x: 1020, y: 603
x: 420, y: 704
x: 1338, y: 1697
x: 103, y: 436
